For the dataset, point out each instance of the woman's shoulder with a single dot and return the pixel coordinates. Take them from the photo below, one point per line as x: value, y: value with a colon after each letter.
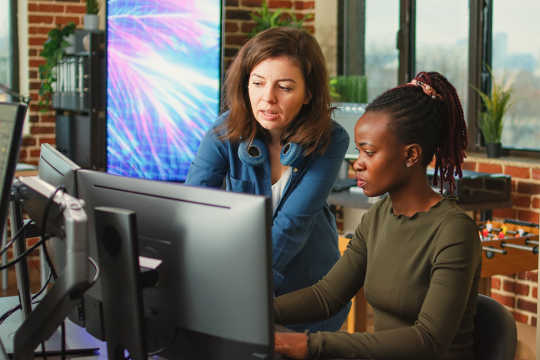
x: 339, y: 132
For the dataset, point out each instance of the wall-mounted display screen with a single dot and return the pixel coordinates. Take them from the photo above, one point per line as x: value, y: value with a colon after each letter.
x: 163, y: 81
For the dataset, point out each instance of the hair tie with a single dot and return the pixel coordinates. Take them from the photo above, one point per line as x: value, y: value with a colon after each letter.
x: 428, y: 90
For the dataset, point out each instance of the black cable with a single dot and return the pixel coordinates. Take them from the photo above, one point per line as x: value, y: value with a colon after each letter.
x: 14, y: 237
x: 43, y: 349
x: 29, y: 250
x: 44, y: 226
x: 63, y: 337
x: 17, y: 307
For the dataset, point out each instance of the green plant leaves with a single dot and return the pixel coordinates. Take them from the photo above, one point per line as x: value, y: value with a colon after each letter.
x: 53, y: 51
x: 497, y: 103
x: 264, y: 19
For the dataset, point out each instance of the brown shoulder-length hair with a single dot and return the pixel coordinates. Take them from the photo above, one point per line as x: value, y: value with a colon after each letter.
x: 312, y: 127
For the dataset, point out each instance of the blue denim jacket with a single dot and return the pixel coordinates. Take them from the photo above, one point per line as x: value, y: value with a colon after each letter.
x: 304, y: 233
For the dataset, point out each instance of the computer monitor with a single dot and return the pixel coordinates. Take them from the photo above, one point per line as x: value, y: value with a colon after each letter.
x: 214, y: 294
x: 57, y: 169
x: 11, y: 125
x: 347, y: 114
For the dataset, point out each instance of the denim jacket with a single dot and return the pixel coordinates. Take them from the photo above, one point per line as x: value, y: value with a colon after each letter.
x: 304, y: 233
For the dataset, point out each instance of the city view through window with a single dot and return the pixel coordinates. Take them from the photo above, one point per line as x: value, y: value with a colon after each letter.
x: 516, y: 56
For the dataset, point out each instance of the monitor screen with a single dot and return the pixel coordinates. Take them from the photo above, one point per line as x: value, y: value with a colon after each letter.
x: 347, y: 114
x: 11, y: 125
x: 163, y: 84
x: 215, y: 286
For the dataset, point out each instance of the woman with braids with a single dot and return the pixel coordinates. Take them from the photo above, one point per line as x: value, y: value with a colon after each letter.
x: 277, y: 139
x: 416, y: 253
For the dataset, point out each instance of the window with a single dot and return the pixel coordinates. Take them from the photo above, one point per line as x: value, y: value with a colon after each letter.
x: 516, y: 55
x: 382, y: 25
x: 442, y: 42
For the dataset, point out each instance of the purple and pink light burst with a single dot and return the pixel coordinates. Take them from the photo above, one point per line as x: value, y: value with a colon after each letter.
x: 163, y: 80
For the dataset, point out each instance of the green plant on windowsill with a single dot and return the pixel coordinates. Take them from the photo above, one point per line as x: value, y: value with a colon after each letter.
x: 53, y: 51
x: 352, y: 88
x: 92, y: 7
x: 491, y: 118
x: 265, y: 19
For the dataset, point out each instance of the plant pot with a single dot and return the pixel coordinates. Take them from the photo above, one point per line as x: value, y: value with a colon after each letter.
x: 493, y: 150
x: 91, y: 22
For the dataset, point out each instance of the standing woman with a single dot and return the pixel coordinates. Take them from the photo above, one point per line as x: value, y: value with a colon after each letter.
x: 277, y: 139
x: 416, y: 253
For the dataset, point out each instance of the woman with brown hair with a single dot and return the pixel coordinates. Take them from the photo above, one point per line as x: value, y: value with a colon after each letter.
x: 277, y: 139
x: 415, y: 252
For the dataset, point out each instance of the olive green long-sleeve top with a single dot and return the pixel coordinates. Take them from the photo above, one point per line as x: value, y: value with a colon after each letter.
x: 420, y: 274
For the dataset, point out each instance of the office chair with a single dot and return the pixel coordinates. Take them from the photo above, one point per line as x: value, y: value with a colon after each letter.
x: 495, y: 332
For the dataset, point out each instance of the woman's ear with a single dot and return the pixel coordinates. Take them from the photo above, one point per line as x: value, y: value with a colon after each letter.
x: 414, y: 154
x: 308, y: 98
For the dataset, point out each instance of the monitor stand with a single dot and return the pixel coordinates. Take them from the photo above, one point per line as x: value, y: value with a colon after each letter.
x: 78, y: 341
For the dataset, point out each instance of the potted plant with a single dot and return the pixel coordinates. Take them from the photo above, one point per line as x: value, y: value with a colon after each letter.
x: 91, y: 19
x: 265, y: 19
x: 491, y: 117
x: 53, y: 51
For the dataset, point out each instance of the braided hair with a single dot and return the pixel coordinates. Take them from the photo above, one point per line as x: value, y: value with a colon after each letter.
x: 435, y: 122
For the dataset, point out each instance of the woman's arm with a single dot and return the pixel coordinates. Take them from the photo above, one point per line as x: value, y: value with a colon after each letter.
x: 295, y: 218
x: 453, y: 272
x: 210, y: 165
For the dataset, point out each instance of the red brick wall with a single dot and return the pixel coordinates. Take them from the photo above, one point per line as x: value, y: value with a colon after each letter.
x: 525, y: 185
x: 43, y: 16
x: 238, y: 23
x: 518, y: 292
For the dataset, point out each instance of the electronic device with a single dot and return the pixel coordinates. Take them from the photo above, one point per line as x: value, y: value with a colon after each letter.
x: 347, y: 114
x: 11, y: 125
x: 163, y: 84
x: 213, y: 299
x: 65, y: 219
x: 57, y: 169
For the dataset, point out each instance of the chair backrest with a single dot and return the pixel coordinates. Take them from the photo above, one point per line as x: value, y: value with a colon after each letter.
x: 495, y: 332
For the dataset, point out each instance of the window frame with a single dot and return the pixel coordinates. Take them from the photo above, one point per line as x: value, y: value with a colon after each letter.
x: 480, y: 54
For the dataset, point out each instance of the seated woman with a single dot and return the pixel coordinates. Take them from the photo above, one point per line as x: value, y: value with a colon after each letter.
x: 278, y: 139
x: 416, y: 253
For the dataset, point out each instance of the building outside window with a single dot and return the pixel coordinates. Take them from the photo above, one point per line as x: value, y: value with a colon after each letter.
x: 516, y: 55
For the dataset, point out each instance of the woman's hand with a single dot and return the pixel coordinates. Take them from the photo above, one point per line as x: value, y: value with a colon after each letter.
x: 293, y: 345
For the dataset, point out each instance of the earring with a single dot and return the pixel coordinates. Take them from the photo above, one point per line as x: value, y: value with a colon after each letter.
x: 408, y: 164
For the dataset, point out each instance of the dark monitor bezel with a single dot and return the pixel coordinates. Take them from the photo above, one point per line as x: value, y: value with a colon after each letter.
x: 12, y: 159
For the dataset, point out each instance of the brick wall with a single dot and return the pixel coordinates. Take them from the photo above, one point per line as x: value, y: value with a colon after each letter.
x: 43, y: 16
x: 517, y: 292
x: 238, y: 23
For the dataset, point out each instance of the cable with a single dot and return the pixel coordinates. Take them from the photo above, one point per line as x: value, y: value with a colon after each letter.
x: 14, y: 237
x: 96, y: 266
x: 63, y: 336
x: 17, y: 307
x: 29, y: 250
x: 7, y: 90
x: 43, y: 351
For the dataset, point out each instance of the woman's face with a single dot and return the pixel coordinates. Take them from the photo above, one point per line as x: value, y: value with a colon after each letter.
x: 277, y: 92
x: 381, y: 163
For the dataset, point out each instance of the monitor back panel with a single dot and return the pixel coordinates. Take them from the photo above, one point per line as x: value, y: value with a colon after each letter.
x: 216, y: 274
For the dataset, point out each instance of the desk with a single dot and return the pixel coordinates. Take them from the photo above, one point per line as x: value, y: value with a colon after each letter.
x: 357, y: 200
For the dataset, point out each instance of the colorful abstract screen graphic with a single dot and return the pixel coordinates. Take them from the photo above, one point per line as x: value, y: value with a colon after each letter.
x: 163, y: 78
